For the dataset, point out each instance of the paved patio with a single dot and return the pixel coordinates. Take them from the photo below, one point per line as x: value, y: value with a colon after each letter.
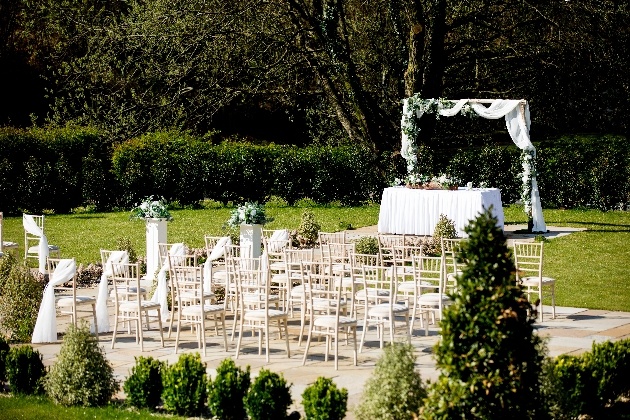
x: 572, y: 332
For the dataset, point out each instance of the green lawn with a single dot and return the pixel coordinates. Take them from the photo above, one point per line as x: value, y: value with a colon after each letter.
x: 41, y: 408
x: 590, y: 266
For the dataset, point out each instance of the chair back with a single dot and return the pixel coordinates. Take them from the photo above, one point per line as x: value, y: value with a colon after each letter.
x: 188, y: 284
x: 71, y: 285
x: 528, y: 259
x: 331, y: 237
x: 451, y: 259
x: 164, y: 249
x: 252, y: 284
x: 385, y: 244
x: 32, y: 223
x: 428, y: 274
x: 126, y: 279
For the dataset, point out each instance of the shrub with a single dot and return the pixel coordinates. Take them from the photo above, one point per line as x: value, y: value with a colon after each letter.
x: 90, y: 275
x: 19, y: 303
x: 489, y: 356
x: 226, y: 393
x: 269, y: 397
x: 4, y: 351
x: 367, y: 245
x: 586, y: 384
x: 308, y: 230
x: 124, y: 244
x: 185, y: 386
x: 144, y: 385
x: 25, y: 370
x: 324, y: 401
x: 82, y: 375
x: 395, y: 389
x: 444, y: 228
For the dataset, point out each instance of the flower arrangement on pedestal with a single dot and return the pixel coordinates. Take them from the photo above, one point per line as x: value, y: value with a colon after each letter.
x: 248, y: 214
x: 151, y: 208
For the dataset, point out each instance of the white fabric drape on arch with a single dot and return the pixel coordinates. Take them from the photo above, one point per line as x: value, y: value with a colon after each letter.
x: 31, y: 227
x: 102, y: 316
x: 161, y: 291
x: 45, y: 330
x: 516, y: 113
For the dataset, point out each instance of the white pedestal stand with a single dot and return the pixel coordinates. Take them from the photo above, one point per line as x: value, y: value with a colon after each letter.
x: 156, y: 233
x: 251, y: 238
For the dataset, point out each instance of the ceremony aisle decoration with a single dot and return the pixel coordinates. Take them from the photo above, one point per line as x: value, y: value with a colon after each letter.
x: 154, y: 212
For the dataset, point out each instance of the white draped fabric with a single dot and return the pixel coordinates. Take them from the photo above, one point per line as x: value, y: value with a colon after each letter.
x: 161, y: 291
x: 46, y: 325
x: 102, y: 316
x: 31, y: 227
x: 278, y: 240
x: 516, y: 113
x: 217, y: 252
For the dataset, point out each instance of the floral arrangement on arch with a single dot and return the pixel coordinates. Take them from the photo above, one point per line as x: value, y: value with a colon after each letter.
x: 151, y: 208
x: 248, y: 214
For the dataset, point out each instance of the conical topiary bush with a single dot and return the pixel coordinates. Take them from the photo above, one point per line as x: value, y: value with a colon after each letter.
x: 489, y: 356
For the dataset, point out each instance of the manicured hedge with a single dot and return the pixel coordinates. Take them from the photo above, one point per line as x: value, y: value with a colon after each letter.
x: 180, y: 167
x: 56, y: 169
x: 63, y: 168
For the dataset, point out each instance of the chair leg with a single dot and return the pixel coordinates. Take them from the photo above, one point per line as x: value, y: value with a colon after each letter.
x: 308, y: 343
x: 95, y: 322
x: 224, y: 333
x: 286, y: 337
x: 115, y: 328
x: 553, y: 301
x: 354, y: 337
x: 139, y: 331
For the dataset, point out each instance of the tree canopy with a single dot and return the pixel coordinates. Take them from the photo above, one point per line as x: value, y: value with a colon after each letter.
x: 303, y: 71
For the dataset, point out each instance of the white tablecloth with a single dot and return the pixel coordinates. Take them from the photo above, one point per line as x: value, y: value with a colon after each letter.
x: 416, y: 212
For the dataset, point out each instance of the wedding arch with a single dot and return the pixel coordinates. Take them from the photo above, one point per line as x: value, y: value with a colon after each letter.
x: 516, y: 113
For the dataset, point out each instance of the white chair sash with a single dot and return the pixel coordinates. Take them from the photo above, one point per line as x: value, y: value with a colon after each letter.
x: 46, y: 325
x: 161, y: 292
x: 278, y: 240
x: 31, y: 227
x: 102, y: 316
x: 217, y: 252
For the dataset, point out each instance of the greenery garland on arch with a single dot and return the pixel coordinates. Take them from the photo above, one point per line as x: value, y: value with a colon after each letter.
x: 414, y: 107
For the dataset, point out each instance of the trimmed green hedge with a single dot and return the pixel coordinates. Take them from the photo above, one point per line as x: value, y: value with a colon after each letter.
x: 56, y: 169
x: 63, y: 168
x: 182, y: 168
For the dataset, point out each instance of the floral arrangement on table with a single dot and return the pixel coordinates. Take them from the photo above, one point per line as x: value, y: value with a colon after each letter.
x: 151, y: 208
x: 248, y: 214
x: 426, y: 182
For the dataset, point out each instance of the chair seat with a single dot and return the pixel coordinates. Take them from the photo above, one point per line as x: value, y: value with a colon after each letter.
x: 433, y: 299
x: 371, y: 293
x: 324, y: 304
x: 330, y: 321
x: 196, y: 310
x: 259, y: 314
x: 407, y: 286
x: 132, y: 306
x: 132, y: 290
x: 35, y: 249
x: 382, y: 310
x: 190, y: 295
x: 533, y: 281
x: 80, y: 300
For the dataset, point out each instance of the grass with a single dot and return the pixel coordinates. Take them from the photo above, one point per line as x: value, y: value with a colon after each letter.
x: 41, y: 408
x: 590, y: 266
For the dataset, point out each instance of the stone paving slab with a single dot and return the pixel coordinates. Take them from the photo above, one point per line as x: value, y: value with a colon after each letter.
x: 572, y: 332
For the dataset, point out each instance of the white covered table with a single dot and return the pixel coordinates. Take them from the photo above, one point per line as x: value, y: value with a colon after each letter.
x: 416, y: 212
